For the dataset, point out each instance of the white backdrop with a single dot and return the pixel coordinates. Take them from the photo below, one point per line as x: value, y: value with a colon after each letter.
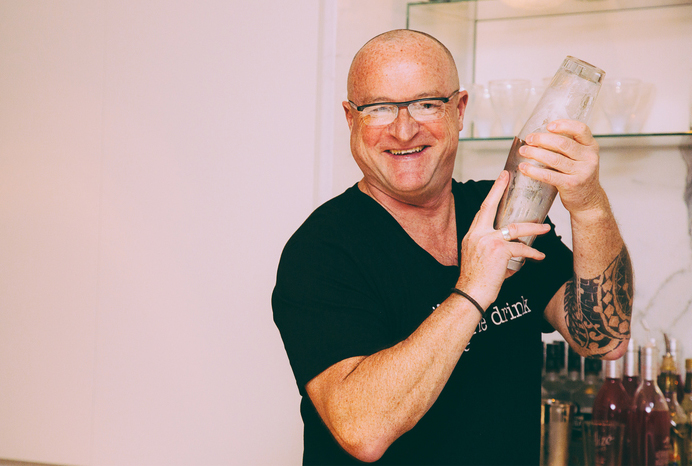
x: 154, y: 158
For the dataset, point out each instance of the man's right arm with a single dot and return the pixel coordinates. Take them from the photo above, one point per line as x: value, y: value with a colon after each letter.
x: 369, y: 402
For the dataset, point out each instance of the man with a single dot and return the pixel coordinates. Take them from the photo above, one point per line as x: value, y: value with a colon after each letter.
x: 391, y: 364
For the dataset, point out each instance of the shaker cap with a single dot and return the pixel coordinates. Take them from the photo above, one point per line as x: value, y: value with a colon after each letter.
x: 583, y: 69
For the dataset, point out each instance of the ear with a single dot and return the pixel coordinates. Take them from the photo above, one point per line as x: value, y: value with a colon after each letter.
x: 461, y: 106
x: 349, y: 114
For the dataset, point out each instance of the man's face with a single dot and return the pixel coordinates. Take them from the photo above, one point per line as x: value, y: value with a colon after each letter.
x: 407, y: 160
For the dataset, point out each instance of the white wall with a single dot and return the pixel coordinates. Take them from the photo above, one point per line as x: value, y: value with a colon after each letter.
x: 357, y: 22
x: 154, y: 158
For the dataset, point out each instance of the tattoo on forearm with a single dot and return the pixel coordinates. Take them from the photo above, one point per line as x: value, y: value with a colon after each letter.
x: 598, y: 310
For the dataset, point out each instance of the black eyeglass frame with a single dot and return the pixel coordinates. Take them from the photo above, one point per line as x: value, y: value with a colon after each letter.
x: 360, y: 108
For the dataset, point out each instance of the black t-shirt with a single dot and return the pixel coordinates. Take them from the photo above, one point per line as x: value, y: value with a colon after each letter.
x: 352, y: 282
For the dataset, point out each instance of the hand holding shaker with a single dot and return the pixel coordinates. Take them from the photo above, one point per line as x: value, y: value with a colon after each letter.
x: 570, y: 95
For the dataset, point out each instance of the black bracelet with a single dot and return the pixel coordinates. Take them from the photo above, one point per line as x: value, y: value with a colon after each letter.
x: 473, y: 301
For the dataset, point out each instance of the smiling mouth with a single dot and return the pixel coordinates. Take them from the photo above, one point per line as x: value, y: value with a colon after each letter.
x: 415, y: 150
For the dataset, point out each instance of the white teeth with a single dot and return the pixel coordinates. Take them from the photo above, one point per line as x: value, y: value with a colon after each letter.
x: 406, y: 152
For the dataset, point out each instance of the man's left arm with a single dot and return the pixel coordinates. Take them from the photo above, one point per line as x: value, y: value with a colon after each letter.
x: 593, y: 310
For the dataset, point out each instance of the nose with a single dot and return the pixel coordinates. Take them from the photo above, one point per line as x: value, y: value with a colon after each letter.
x: 404, y: 127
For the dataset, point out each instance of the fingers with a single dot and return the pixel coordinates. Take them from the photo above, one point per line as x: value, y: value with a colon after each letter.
x: 568, y: 156
x: 520, y: 230
x: 512, y: 232
x: 576, y: 130
x: 570, y: 138
x: 486, y: 253
x: 522, y: 250
x: 488, y: 210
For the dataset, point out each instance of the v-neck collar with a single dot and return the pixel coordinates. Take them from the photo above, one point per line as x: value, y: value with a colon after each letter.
x: 377, y: 207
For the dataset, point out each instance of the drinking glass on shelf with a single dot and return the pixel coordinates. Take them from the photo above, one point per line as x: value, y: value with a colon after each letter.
x: 636, y: 121
x: 509, y: 97
x: 619, y: 99
x: 535, y: 93
x: 482, y: 113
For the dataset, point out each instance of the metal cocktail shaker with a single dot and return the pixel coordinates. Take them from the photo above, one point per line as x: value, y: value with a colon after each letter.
x: 556, y: 431
x: 570, y: 95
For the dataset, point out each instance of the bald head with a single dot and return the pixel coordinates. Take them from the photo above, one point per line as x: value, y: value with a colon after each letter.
x: 401, y: 45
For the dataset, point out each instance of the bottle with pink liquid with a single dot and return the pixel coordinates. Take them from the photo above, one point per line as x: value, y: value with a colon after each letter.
x: 650, y: 420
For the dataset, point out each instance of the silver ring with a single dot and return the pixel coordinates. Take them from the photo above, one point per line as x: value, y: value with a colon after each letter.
x: 505, y: 234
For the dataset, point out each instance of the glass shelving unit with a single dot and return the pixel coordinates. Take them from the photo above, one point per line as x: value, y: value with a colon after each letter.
x: 456, y: 22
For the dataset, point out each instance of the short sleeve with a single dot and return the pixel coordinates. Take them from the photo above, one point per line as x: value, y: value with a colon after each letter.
x: 324, y: 306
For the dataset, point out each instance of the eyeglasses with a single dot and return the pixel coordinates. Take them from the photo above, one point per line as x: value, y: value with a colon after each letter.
x: 421, y: 110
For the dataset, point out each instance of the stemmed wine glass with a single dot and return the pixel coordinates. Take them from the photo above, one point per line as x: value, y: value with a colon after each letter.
x: 618, y: 99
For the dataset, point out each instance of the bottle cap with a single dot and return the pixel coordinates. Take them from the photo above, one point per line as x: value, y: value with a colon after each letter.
x: 648, y: 359
x: 612, y: 369
x: 631, y: 359
x: 688, y: 365
x: 673, y: 342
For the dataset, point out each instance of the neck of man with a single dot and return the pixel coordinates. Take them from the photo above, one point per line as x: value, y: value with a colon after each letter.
x: 430, y: 221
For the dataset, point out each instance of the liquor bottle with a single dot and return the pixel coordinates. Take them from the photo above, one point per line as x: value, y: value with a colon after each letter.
x: 544, y: 392
x: 573, y: 383
x: 687, y: 399
x: 676, y: 352
x: 650, y: 422
x: 552, y: 385
x: 586, y: 396
x: 561, y: 356
x: 672, y: 349
x: 583, y: 399
x: 630, y: 377
x: 679, y: 420
x: 613, y: 404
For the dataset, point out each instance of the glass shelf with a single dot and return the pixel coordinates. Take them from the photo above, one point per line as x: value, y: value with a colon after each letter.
x: 605, y: 141
x: 489, y: 10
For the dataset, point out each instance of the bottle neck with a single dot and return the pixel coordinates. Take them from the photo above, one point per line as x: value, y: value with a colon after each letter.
x: 649, y: 364
x: 688, y: 382
x: 631, y: 366
x: 668, y: 384
x: 671, y: 399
